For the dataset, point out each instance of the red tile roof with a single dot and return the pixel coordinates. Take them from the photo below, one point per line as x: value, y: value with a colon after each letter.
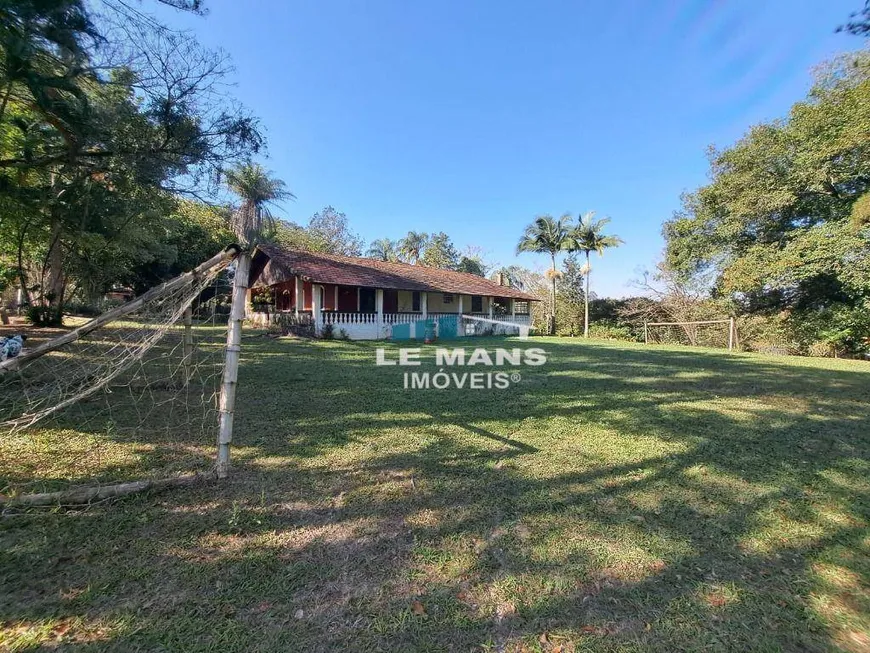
x: 371, y: 273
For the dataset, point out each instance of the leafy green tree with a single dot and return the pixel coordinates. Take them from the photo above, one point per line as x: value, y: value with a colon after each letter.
x: 193, y: 232
x: 383, y: 249
x: 569, y: 297
x: 290, y: 235
x: 547, y: 235
x: 471, y: 261
x: 510, y: 275
x: 329, y: 232
x: 780, y: 224
x: 471, y: 265
x: 440, y: 252
x: 587, y: 237
x: 92, y: 149
x: 412, y: 246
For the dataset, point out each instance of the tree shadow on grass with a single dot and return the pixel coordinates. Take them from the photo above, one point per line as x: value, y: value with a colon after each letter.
x: 694, y: 517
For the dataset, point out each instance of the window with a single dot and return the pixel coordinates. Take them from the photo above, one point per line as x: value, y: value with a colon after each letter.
x: 415, y: 302
x: 476, y: 304
x: 521, y: 307
x: 448, y: 298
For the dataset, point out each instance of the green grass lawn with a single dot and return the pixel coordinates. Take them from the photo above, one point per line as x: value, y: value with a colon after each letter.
x: 616, y: 498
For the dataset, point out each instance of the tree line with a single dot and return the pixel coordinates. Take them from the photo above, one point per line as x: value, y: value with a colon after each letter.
x: 780, y: 235
x: 117, y: 133
x: 108, y: 121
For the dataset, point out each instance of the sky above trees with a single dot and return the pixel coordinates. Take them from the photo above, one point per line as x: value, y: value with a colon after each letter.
x: 471, y: 118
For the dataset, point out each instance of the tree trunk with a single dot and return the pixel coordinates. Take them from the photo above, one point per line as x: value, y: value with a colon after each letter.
x: 551, y: 327
x: 53, y: 294
x: 22, y: 273
x: 586, y: 299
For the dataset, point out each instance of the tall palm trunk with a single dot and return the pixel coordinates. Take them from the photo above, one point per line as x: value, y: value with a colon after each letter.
x: 586, y: 299
x: 551, y: 327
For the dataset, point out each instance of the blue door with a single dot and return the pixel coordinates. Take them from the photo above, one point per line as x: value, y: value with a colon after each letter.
x: 448, y: 326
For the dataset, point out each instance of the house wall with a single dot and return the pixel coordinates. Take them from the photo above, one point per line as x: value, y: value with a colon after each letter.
x: 437, y: 305
x: 406, y: 301
x: 307, y: 296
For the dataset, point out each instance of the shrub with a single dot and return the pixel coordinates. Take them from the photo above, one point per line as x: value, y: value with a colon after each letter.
x: 85, y: 310
x: 768, y: 334
x: 327, y: 332
x: 44, y: 316
x: 822, y: 349
x: 611, y: 332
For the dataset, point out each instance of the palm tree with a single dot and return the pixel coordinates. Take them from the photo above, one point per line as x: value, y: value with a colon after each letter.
x: 257, y: 189
x: 411, y: 246
x: 547, y: 235
x: 587, y: 237
x: 383, y: 249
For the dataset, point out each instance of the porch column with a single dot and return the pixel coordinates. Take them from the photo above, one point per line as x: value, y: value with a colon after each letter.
x: 513, y: 310
x: 379, y: 307
x: 316, y: 291
x: 424, y: 304
x: 300, y: 296
x: 336, y: 297
x: 460, y: 304
x: 490, y: 307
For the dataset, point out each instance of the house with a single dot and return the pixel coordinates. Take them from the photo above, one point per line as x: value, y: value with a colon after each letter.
x: 369, y: 299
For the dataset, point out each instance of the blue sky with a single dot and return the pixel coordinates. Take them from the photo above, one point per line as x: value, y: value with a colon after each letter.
x: 472, y: 117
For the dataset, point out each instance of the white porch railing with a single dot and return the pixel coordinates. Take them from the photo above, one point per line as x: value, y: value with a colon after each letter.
x: 402, y: 318
x: 368, y: 326
x: 335, y: 317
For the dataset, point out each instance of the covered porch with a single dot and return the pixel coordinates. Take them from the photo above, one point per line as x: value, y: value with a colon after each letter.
x: 367, y: 299
x: 370, y: 313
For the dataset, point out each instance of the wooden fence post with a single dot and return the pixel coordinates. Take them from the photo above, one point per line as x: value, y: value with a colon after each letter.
x: 645, y: 334
x: 231, y: 364
x: 730, y: 334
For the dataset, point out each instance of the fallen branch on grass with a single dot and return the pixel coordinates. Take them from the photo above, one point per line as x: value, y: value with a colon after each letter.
x: 84, y: 495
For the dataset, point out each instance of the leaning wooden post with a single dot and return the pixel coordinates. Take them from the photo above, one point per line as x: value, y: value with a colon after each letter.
x: 231, y: 364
